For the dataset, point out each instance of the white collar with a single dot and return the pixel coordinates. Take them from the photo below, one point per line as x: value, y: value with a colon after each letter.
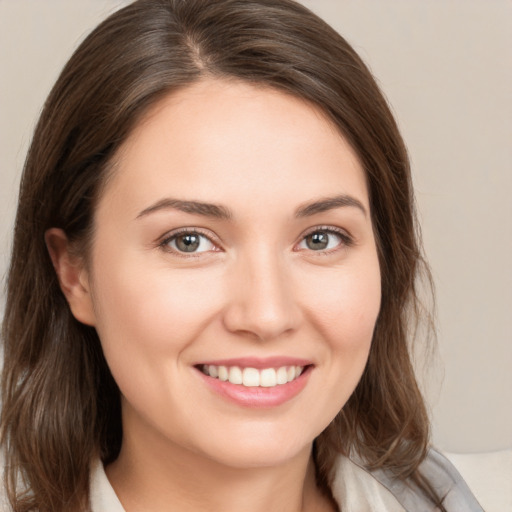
x: 354, y: 489
x: 102, y: 495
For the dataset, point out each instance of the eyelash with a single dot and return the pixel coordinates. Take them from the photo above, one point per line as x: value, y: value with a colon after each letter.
x: 164, y: 244
x: 346, y: 240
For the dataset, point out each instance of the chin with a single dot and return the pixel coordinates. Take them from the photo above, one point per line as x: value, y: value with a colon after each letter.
x: 253, y: 448
x: 258, y: 455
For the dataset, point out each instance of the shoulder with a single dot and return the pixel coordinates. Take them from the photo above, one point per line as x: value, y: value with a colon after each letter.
x: 355, y: 489
x: 4, y: 502
x: 444, y: 476
x: 353, y: 486
x: 102, y: 495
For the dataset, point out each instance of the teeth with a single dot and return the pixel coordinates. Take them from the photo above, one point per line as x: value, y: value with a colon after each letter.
x: 235, y: 375
x: 252, y: 377
x: 223, y: 373
x: 268, y: 378
x: 282, y: 375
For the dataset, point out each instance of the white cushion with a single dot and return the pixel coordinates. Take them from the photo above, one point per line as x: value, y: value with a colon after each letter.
x: 489, y: 476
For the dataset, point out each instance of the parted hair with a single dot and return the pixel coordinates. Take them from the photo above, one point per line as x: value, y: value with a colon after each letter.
x: 61, y: 406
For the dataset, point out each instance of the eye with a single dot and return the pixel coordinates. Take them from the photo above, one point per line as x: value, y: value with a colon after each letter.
x: 324, y: 239
x: 188, y: 242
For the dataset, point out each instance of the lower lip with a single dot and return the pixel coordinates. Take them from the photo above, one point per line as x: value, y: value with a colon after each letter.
x: 258, y: 396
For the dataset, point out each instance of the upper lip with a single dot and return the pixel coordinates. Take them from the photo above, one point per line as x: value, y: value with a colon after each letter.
x: 259, y: 362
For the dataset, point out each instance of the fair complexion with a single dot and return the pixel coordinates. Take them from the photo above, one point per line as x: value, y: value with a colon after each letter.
x: 235, y: 231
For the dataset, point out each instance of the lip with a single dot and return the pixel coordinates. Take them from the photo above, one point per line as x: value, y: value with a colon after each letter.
x: 258, y: 362
x: 257, y: 397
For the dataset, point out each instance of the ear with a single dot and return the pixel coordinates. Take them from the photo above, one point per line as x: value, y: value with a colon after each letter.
x: 72, y: 276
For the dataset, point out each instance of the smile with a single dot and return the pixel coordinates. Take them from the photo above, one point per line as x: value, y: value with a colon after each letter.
x: 256, y: 382
x: 253, y: 377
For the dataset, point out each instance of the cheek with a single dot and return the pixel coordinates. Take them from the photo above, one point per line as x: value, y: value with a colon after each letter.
x: 148, y: 318
x: 146, y: 321
x: 346, y: 306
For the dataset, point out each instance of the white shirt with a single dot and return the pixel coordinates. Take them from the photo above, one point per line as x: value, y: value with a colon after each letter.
x: 366, y: 493
x: 355, y: 489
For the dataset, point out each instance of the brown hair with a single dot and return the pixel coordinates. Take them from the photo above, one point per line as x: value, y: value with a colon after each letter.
x: 61, y: 406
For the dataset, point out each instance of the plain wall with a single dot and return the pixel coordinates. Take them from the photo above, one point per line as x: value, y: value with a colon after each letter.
x: 446, y: 68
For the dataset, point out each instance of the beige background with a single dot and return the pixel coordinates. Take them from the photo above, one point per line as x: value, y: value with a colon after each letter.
x: 445, y: 67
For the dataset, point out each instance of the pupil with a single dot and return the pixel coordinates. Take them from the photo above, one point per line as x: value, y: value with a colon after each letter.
x: 188, y: 243
x: 318, y: 241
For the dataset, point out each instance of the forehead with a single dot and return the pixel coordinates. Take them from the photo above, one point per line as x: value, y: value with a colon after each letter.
x: 218, y: 139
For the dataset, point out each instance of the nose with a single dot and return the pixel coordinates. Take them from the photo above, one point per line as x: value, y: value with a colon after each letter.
x: 262, y: 300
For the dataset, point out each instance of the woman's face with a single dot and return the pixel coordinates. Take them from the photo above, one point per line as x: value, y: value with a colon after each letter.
x: 234, y: 241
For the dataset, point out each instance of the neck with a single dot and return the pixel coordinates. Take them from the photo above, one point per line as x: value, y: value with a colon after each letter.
x: 151, y: 475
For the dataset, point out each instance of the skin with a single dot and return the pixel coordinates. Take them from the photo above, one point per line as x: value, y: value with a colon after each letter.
x: 255, y: 288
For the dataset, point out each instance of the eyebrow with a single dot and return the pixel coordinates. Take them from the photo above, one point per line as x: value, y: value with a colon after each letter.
x: 221, y: 212
x: 194, y: 207
x: 329, y: 203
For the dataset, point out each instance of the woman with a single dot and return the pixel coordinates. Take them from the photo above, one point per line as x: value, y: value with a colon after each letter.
x: 213, y: 277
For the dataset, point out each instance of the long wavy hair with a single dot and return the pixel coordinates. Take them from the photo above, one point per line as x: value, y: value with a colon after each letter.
x: 61, y: 406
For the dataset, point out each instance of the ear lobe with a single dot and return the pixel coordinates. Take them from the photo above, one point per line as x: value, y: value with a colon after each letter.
x: 72, y: 276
